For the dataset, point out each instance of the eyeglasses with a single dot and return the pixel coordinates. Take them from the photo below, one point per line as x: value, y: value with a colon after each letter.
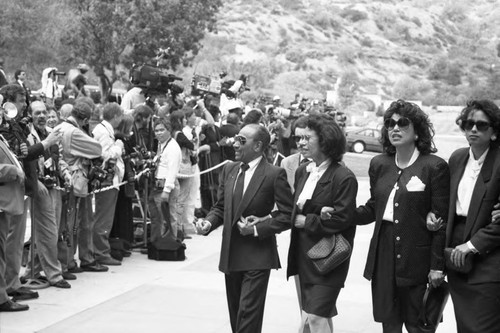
x: 481, y: 126
x: 241, y: 139
x: 402, y: 123
x: 299, y: 138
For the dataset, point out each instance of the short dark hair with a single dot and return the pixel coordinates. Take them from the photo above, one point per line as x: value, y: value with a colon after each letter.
x: 81, y: 111
x: 111, y: 110
x: 188, y: 111
x: 176, y: 120
x: 332, y: 140
x: 163, y: 121
x: 262, y: 135
x: 253, y: 116
x: 17, y: 73
x: 421, y: 123
x: 142, y: 112
x: 232, y: 118
x: 11, y: 91
x: 301, y: 122
x: 489, y: 108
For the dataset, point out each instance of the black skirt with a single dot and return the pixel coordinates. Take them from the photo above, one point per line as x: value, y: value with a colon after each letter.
x: 319, y: 300
x: 392, y: 304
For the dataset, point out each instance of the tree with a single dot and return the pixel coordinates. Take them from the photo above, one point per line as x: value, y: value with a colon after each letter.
x: 113, y: 32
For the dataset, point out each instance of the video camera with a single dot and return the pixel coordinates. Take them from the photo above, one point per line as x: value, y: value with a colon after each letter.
x: 100, y: 176
x: 155, y: 79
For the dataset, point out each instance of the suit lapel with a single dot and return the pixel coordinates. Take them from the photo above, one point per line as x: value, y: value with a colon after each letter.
x: 325, y: 179
x: 255, y: 182
x: 480, y: 190
x: 455, y: 177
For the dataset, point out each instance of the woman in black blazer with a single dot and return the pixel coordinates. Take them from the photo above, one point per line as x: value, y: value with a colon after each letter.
x: 325, y: 182
x: 475, y: 188
x: 406, y: 182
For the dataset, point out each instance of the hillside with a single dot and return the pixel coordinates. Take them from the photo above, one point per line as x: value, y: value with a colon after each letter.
x: 441, y: 52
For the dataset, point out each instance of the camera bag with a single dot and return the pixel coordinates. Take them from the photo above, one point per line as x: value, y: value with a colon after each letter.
x: 167, y: 249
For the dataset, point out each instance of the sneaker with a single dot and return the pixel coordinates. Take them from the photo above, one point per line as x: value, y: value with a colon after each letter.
x: 61, y: 284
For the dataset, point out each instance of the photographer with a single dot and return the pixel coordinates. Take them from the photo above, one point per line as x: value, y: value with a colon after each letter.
x: 15, y: 131
x: 46, y: 204
x: 105, y: 201
x: 164, y: 194
x: 50, y: 90
x: 77, y: 149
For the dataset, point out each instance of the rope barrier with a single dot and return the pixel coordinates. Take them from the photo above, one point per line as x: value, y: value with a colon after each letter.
x: 107, y: 188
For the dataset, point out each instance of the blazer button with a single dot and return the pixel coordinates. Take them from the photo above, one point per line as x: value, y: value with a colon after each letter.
x: 397, y: 221
x: 396, y: 204
x: 397, y: 238
x: 398, y: 256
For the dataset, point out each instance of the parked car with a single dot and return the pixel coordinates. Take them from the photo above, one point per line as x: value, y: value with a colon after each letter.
x: 364, y: 139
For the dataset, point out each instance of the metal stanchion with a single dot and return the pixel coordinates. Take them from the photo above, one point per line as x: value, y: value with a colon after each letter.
x: 32, y: 282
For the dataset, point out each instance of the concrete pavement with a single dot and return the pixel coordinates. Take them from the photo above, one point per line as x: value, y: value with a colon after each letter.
x: 149, y: 296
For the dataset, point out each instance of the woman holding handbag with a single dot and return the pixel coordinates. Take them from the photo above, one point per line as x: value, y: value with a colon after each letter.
x: 323, y: 182
x: 406, y: 182
x: 471, y: 233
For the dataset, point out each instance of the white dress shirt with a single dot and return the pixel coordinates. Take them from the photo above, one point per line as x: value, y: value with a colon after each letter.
x: 169, y: 164
x: 252, y: 165
x: 315, y: 173
x: 389, y: 208
x: 468, y: 181
x: 105, y: 134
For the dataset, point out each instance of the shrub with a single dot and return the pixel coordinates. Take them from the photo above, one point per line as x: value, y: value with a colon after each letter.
x: 353, y: 15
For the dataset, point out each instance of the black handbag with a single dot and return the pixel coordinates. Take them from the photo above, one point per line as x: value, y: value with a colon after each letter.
x: 433, y: 304
x: 329, y: 253
x: 466, y: 268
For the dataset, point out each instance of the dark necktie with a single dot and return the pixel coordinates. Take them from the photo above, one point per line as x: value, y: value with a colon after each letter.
x: 238, y: 188
x: 304, y: 160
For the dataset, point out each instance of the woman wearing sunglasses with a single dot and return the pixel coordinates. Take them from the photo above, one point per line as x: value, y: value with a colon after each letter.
x: 475, y: 189
x: 322, y: 183
x: 406, y: 182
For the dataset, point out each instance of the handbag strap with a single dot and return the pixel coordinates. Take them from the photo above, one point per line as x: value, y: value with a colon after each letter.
x: 424, y: 304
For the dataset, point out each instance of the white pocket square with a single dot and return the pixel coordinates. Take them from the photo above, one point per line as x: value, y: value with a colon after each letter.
x: 415, y: 185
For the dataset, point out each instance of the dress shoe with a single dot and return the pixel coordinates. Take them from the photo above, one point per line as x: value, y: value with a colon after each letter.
x: 11, y: 306
x: 75, y: 270
x: 68, y: 276
x: 61, y: 284
x: 22, y: 294
x: 94, y: 267
x: 126, y: 253
x: 109, y: 261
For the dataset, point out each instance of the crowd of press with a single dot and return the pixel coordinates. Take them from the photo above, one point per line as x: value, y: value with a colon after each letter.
x: 87, y: 171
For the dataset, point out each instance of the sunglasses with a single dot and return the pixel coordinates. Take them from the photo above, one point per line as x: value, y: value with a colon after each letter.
x: 240, y: 139
x: 481, y: 126
x: 402, y: 123
x: 299, y: 138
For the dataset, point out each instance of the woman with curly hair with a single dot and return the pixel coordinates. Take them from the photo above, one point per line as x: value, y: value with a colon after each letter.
x: 324, y: 182
x: 471, y: 230
x: 406, y: 182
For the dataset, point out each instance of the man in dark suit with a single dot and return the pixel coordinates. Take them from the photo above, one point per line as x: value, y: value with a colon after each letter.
x: 249, y: 189
x: 20, y: 78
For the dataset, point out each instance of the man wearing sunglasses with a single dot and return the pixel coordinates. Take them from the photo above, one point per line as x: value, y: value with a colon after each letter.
x: 249, y: 189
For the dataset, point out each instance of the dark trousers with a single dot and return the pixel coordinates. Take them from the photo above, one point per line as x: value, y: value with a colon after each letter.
x: 246, y: 297
x: 477, y: 306
x: 105, y: 203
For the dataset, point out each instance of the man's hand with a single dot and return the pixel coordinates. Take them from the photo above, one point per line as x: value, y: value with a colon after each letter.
x: 164, y: 196
x: 253, y: 220
x: 202, y: 226
x: 203, y: 149
x: 435, y: 278
x: 326, y: 213
x: 20, y: 176
x: 53, y: 138
x: 495, y: 215
x: 433, y: 223
x: 24, y: 149
x: 245, y: 228
x: 300, y: 221
x: 458, y: 254
x: 42, y: 190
